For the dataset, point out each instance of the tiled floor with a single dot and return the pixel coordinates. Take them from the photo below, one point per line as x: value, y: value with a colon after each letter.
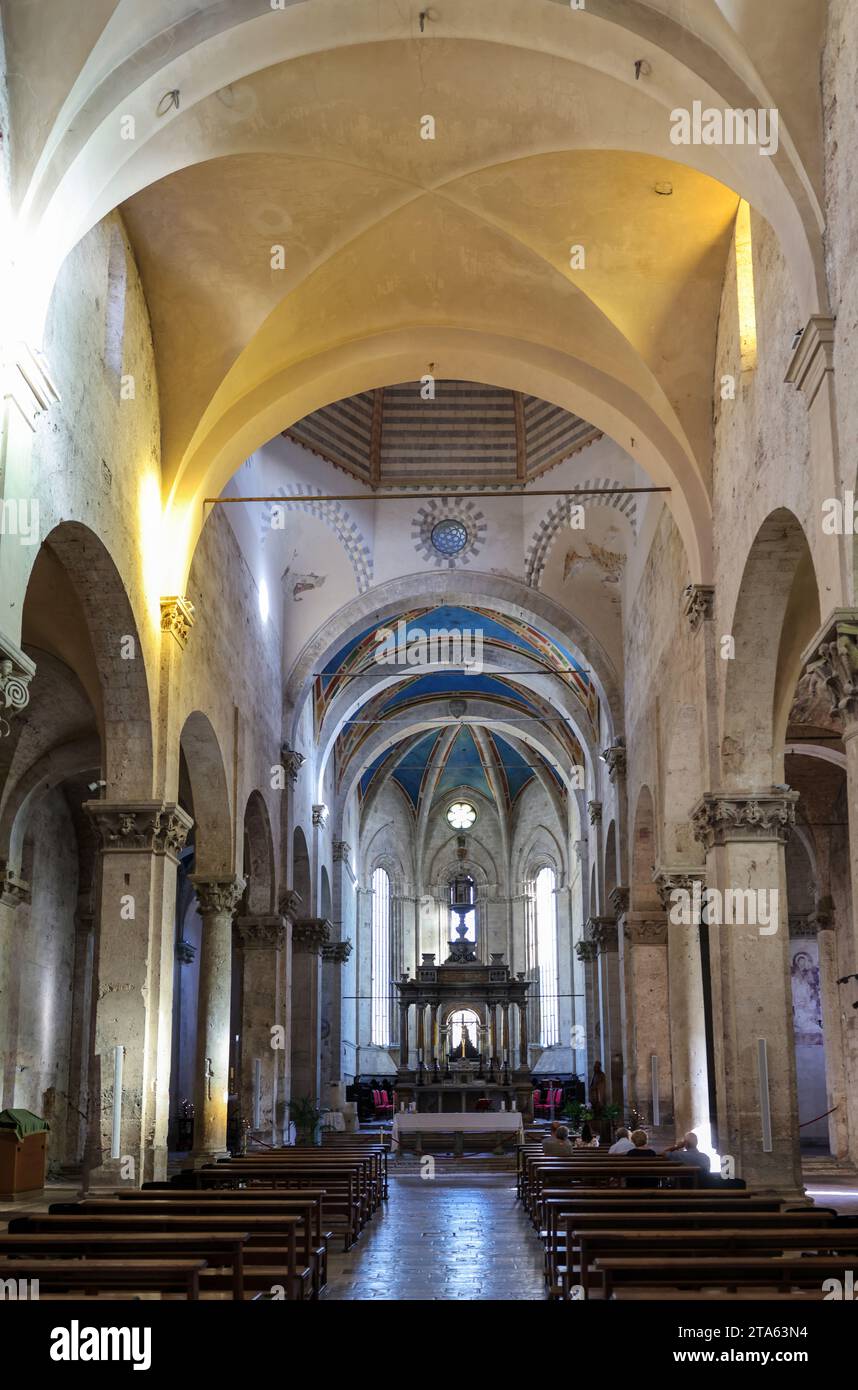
x: 449, y: 1238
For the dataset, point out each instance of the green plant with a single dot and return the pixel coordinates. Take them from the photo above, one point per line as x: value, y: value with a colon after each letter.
x: 577, y: 1113
x: 307, y: 1117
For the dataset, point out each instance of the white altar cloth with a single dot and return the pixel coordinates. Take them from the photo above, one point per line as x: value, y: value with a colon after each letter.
x: 488, y: 1121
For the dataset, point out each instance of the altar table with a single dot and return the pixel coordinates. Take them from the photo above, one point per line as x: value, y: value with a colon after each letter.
x: 502, y: 1122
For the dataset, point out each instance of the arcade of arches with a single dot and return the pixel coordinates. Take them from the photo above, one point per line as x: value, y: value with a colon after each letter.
x: 414, y: 282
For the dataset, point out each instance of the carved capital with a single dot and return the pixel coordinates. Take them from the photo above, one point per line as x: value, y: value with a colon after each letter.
x: 619, y: 900
x: 292, y: 762
x: 646, y: 929
x: 311, y: 934
x: 831, y: 664
x: 698, y: 604
x: 586, y: 950
x: 289, y: 903
x: 813, y: 358
x: 721, y: 818
x: 185, y: 952
x: 342, y: 851
x: 217, y: 896
x: 28, y: 385
x: 16, y: 672
x: 143, y: 827
x: 670, y: 880
x: 13, y: 890
x: 265, y: 933
x: 614, y: 758
x: 177, y: 618
x: 320, y: 816
x: 594, y: 810
x: 337, y: 951
x: 602, y: 932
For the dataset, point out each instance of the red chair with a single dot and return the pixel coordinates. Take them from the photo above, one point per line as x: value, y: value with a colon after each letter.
x: 383, y: 1106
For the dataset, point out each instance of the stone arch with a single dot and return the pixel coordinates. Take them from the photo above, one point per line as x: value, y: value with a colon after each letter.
x: 643, y: 895
x: 213, y: 842
x: 337, y: 518
x: 776, y: 615
x: 259, y: 866
x: 301, y: 878
x: 610, y: 878
x: 556, y: 517
x: 325, y: 900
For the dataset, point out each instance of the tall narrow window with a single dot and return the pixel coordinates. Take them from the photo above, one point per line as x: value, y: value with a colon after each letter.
x: 542, y: 953
x: 380, y: 983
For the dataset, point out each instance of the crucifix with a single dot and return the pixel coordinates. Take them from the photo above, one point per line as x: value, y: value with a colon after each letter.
x: 209, y: 1073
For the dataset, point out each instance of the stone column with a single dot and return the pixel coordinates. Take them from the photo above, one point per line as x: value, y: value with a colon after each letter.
x: 689, y: 1064
x: 587, y: 954
x: 836, y: 1074
x: 217, y: 900
x: 14, y: 891
x: 80, y: 1034
x: 522, y: 1037
x: 264, y: 1040
x: 811, y: 371
x: 309, y: 936
x: 433, y: 1034
x: 744, y: 833
x: 602, y: 932
x: 507, y: 1049
x: 334, y: 957
x: 403, y: 1037
x: 645, y: 967
x: 594, y: 811
x: 831, y: 666
x: 136, y: 927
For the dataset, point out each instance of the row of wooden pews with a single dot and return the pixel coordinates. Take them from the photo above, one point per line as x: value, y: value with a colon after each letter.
x: 247, y: 1228
x: 606, y: 1239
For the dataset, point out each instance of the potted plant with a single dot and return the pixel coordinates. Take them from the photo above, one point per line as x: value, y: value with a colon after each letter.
x: 577, y: 1114
x: 607, y: 1123
x: 307, y: 1118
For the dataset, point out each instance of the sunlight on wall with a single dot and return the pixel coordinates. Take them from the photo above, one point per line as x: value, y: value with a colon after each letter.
x: 745, y: 288
x: 153, y: 546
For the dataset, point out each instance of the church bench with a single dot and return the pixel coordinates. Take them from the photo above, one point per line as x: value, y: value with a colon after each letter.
x: 561, y: 1220
x: 543, y: 1173
x: 630, y: 1294
x: 164, y: 1276
x: 368, y: 1184
x: 375, y: 1155
x: 214, y: 1248
x: 272, y: 1240
x: 709, y: 1271
x: 233, y: 1202
x: 585, y: 1247
x: 342, y: 1206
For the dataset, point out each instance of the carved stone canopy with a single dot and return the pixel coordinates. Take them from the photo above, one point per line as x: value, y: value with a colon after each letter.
x: 320, y: 815
x: 177, y: 618
x: 311, y: 934
x: 670, y: 880
x: 602, y: 931
x: 831, y: 664
x: 217, y: 896
x: 721, y: 818
x: 292, y: 762
x: 289, y: 903
x: 16, y: 673
x: 594, y: 810
x: 698, y: 604
x: 263, y: 933
x: 614, y: 759
x: 337, y: 951
x: 143, y: 827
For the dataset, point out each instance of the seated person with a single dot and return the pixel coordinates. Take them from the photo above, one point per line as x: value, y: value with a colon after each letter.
x: 586, y: 1140
x: 641, y: 1149
x: 622, y: 1144
x: 558, y: 1145
x: 686, y: 1151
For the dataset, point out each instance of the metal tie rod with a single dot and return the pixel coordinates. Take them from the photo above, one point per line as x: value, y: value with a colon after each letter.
x: 440, y: 496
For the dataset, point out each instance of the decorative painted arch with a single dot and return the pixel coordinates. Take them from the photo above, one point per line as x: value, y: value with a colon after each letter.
x: 557, y: 516
x: 336, y: 517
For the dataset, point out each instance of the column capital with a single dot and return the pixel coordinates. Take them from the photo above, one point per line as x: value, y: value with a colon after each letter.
x: 602, y: 932
x: 28, y: 383
x: 594, y: 811
x: 813, y: 358
x: 310, y: 934
x: 337, y: 951
x: 342, y: 851
x: 698, y: 604
x: 646, y: 928
x: 730, y: 817
x: 586, y: 950
x: 669, y: 880
x: 320, y: 815
x: 619, y: 900
x: 292, y: 762
x: 16, y: 672
x: 177, y: 617
x: 831, y: 662
x: 13, y: 890
x: 289, y: 903
x: 614, y: 757
x: 260, y: 933
x: 217, y: 896
x: 186, y: 952
x: 140, y: 827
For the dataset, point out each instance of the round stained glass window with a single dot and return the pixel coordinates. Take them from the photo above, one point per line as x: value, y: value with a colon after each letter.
x: 461, y: 815
x: 449, y: 537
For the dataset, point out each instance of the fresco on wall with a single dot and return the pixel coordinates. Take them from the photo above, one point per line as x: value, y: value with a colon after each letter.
x: 806, y: 1003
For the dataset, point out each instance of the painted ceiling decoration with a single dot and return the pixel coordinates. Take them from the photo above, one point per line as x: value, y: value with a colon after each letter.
x: 425, y: 767
x: 443, y: 432
x: 347, y: 669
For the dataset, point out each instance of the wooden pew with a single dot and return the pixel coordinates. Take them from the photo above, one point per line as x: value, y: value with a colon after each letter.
x: 619, y: 1172
x: 165, y: 1276
x: 342, y: 1206
x: 213, y: 1248
x: 728, y: 1271
x: 269, y: 1256
x: 366, y: 1166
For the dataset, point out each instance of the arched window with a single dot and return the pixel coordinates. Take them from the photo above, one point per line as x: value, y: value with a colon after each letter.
x: 542, y: 954
x: 380, y: 981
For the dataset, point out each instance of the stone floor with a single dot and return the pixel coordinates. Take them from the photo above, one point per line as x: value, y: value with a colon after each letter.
x: 448, y: 1238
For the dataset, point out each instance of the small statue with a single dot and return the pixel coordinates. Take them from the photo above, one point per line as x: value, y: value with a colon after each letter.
x: 598, y: 1089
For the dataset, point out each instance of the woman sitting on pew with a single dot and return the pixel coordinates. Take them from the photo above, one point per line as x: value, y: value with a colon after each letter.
x: 640, y: 1139
x: 586, y: 1139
